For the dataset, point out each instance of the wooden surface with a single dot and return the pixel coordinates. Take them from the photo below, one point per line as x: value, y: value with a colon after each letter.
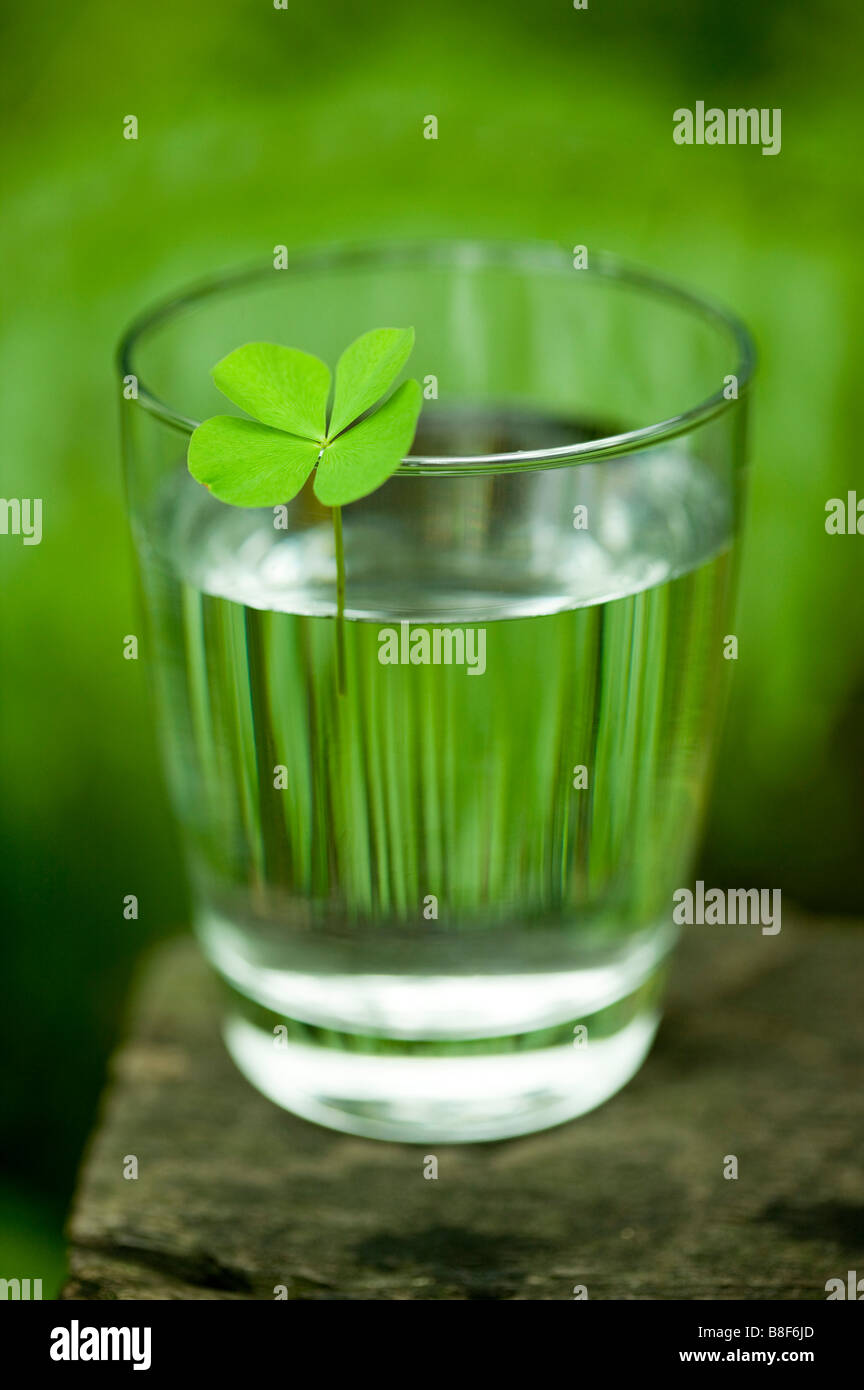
x: 760, y: 1056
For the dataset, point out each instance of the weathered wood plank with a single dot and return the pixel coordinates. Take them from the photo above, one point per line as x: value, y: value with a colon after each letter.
x: 760, y: 1056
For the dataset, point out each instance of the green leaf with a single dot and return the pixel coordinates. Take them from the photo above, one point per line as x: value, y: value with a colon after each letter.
x: 280, y: 386
x: 247, y: 464
x: 365, y: 371
x: 363, y: 458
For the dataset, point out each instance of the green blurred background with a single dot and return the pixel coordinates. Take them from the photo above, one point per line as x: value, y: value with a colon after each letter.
x: 261, y: 126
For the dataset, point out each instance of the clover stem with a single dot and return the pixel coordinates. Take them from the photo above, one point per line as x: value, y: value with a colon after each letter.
x: 340, y: 598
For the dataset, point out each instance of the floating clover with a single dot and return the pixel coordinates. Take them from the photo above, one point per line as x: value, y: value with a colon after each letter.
x: 264, y: 461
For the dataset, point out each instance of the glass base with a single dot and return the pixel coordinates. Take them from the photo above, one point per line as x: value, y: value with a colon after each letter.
x: 428, y: 1093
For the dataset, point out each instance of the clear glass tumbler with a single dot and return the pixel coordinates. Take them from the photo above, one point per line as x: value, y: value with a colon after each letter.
x: 441, y: 901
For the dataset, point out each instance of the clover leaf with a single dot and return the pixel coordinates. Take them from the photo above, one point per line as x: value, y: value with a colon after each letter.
x: 367, y: 368
x: 265, y: 461
x: 286, y: 392
x: 280, y: 386
x: 360, y: 460
x: 274, y: 464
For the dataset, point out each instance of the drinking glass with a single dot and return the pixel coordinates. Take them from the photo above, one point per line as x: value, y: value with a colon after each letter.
x: 441, y: 900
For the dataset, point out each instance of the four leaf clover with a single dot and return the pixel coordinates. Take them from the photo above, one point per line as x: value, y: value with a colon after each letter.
x: 265, y: 461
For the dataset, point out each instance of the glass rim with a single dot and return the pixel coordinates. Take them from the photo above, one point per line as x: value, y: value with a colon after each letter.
x: 537, y: 256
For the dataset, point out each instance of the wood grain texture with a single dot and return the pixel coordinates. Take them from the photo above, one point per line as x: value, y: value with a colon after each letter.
x: 761, y: 1055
